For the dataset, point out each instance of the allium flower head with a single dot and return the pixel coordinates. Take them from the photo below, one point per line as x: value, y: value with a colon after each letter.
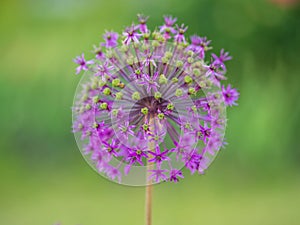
x: 151, y: 103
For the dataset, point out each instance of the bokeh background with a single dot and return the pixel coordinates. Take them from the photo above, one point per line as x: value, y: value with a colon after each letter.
x: 44, y: 179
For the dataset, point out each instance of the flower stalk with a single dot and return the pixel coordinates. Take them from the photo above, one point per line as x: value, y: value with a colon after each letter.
x: 148, y: 204
x: 149, y: 188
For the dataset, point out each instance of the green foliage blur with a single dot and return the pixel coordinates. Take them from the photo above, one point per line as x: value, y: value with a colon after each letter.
x: 44, y: 179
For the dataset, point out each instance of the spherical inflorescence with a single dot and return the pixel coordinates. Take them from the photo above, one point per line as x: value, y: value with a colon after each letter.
x: 151, y: 103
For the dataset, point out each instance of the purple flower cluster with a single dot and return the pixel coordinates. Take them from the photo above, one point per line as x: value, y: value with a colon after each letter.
x: 151, y: 101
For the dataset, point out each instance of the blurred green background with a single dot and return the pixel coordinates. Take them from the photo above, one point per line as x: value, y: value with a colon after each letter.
x: 44, y: 179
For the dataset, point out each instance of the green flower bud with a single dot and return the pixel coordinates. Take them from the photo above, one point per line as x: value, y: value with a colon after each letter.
x: 109, y: 54
x: 156, y: 137
x: 178, y: 93
x: 194, y: 108
x: 187, y: 125
x: 160, y: 38
x: 192, y: 91
x: 154, y: 33
x: 82, y: 109
x: 202, y: 84
x: 144, y: 110
x: 190, y: 60
x: 179, y: 63
x: 196, y: 72
x: 179, y: 46
x: 124, y: 48
x: 119, y: 95
x: 115, y: 112
x: 80, y: 126
x: 163, y: 79
x: 138, y: 151
x: 174, y: 79
x: 190, y: 53
x: 160, y: 116
x: 137, y: 72
x: 85, y: 97
x: 95, y: 99
x: 130, y: 61
x: 103, y: 105
x: 155, y: 43
x: 209, y: 83
x: 157, y: 95
x: 146, y: 36
x: 106, y: 91
x: 185, y: 44
x: 199, y: 134
x: 198, y: 64
x: 95, y: 125
x: 217, y: 96
x: 145, y: 127
x: 136, y: 96
x: 115, y: 82
x: 188, y: 79
x: 170, y: 106
x: 164, y: 60
x: 101, y: 83
x: 145, y: 47
x: 88, y: 106
x: 168, y: 54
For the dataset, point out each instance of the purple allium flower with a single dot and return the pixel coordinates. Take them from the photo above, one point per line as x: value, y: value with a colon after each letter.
x: 151, y: 104
x: 126, y: 130
x: 131, y: 35
x: 175, y: 174
x: 100, y: 158
x: 195, y: 43
x: 150, y: 82
x: 230, y: 95
x: 179, y: 37
x: 158, y: 157
x: 113, y: 173
x: 224, y: 56
x: 199, y: 45
x: 158, y: 175
x: 83, y: 64
x: 99, y: 53
x: 213, y: 69
x: 148, y: 60
x: 104, y: 70
x: 143, y: 20
x: 192, y: 160
x: 168, y: 28
x: 137, y: 154
x: 111, y: 148
x: 203, y: 132
x: 111, y: 39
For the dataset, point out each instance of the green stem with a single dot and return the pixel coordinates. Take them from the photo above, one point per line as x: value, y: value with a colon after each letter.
x: 148, y: 197
x: 149, y: 204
